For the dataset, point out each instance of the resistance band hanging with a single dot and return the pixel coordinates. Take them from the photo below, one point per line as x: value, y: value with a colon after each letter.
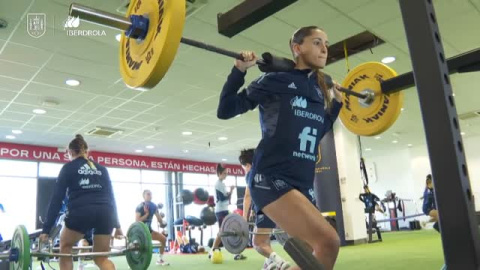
x: 363, y: 168
x: 345, y: 51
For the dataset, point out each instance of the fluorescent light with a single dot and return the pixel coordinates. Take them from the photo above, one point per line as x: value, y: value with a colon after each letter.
x: 368, y: 149
x: 149, y: 146
x: 139, y: 151
x: 10, y: 137
x: 118, y: 37
x: 222, y: 138
x: 462, y: 133
x: 187, y: 133
x: 224, y: 159
x: 17, y: 131
x: 409, y: 145
x: 185, y: 151
x: 72, y: 82
x: 394, y: 141
x: 388, y: 59
x: 39, y: 111
x: 378, y: 138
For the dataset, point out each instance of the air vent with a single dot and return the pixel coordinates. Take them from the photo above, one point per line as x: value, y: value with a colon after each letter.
x: 192, y: 6
x: 104, y: 132
x: 469, y: 115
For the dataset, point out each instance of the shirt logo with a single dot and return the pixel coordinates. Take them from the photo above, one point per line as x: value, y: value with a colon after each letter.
x: 292, y: 86
x: 299, y: 102
x: 86, y: 170
x: 84, y: 182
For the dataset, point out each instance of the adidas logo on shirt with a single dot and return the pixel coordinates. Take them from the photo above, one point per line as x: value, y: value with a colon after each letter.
x: 86, y: 170
x: 292, y: 86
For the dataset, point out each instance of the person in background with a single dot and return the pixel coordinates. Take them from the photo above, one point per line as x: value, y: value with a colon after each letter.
x: 429, y: 206
x: 261, y: 242
x: 222, y: 196
x: 91, y: 205
x: 371, y: 201
x: 144, y: 213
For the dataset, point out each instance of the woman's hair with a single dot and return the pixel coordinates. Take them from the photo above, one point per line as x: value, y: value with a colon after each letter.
x: 78, y: 145
x: 298, y: 38
x: 220, y: 169
x: 246, y: 156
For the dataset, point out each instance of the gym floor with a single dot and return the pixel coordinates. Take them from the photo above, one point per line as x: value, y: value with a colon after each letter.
x: 399, y: 250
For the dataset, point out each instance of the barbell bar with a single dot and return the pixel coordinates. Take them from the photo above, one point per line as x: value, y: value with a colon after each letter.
x: 153, y: 33
x: 117, y: 22
x: 81, y: 255
x: 132, y: 247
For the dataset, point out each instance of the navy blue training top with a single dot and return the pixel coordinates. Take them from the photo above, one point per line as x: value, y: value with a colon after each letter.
x: 293, y: 120
x: 428, y: 201
x: 85, y: 185
x: 152, y: 209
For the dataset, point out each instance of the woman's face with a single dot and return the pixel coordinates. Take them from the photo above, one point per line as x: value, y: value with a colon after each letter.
x: 223, y: 175
x: 314, y: 49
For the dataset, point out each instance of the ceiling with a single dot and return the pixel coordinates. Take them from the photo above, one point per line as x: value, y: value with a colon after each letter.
x: 33, y: 71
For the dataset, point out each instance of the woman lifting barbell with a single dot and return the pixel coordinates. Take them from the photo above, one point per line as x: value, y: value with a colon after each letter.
x: 91, y: 205
x: 296, y: 110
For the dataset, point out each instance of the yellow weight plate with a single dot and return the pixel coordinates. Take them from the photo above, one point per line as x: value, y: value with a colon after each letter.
x: 374, y: 118
x: 144, y: 63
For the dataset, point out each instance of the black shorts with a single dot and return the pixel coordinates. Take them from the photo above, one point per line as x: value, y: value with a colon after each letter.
x: 220, y: 217
x: 265, y: 190
x: 100, y: 218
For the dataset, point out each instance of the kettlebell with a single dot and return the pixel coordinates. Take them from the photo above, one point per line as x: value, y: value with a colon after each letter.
x: 217, y: 257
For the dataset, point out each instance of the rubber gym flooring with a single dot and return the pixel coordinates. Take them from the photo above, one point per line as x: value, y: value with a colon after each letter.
x: 399, y: 250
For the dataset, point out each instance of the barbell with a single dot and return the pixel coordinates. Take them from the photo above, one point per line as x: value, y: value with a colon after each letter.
x: 138, y: 249
x: 235, y: 232
x: 235, y: 235
x: 153, y: 33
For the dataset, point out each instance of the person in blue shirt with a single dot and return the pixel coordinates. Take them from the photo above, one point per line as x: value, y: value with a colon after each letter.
x: 144, y: 213
x: 429, y: 206
x: 91, y: 205
x: 264, y: 224
x: 371, y: 201
x: 296, y: 110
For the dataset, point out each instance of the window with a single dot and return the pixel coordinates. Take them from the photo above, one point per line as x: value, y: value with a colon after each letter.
x: 155, y: 177
x: 18, y: 196
x: 46, y: 169
x: 192, y: 181
x: 18, y: 168
x: 124, y: 175
x: 127, y: 196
